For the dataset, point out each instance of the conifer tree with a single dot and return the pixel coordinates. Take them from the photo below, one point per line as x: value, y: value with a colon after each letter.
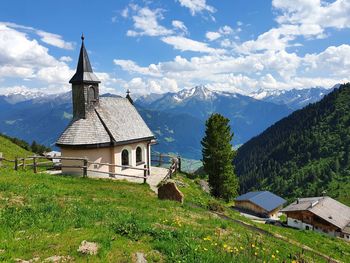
x: 218, y: 156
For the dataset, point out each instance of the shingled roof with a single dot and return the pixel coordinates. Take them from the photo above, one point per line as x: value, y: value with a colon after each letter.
x: 263, y: 199
x: 113, y: 121
x: 326, y: 208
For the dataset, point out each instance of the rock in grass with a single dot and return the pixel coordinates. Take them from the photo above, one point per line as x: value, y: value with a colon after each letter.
x: 56, y: 259
x: 168, y: 190
x: 140, y: 258
x: 88, y: 248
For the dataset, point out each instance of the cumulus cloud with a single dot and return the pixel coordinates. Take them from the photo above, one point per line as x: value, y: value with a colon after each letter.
x: 23, y: 57
x: 179, y: 25
x: 186, y: 44
x: 54, y: 40
x: 146, y: 22
x: 132, y: 67
x: 211, y: 36
x: 197, y: 6
x: 314, y: 13
x: 46, y: 37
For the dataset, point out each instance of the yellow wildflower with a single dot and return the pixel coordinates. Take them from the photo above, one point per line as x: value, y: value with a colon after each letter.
x: 273, y: 256
x: 253, y: 245
x: 256, y: 253
x: 205, y: 249
x: 277, y: 251
x: 241, y: 247
x: 225, y: 246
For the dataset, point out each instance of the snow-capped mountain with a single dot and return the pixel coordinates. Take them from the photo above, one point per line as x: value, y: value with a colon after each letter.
x: 177, y: 119
x: 19, y: 95
x: 294, y: 98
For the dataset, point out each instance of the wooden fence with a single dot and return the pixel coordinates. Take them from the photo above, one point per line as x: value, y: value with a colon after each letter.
x: 160, y: 159
x: 36, y: 162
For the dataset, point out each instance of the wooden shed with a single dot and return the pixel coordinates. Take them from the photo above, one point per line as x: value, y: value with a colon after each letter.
x: 260, y: 203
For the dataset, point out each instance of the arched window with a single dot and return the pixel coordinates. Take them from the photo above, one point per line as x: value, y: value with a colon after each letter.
x: 92, y: 93
x: 125, y: 157
x: 138, y: 154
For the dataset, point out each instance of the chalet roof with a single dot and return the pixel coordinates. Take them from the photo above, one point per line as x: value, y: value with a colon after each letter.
x: 113, y: 120
x: 264, y: 199
x: 326, y: 208
x: 84, y: 71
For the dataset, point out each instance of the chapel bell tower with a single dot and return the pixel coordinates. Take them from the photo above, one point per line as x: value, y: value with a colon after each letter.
x: 85, y: 90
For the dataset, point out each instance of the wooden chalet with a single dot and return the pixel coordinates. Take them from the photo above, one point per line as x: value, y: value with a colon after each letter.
x: 103, y: 129
x: 322, y: 214
x: 261, y: 203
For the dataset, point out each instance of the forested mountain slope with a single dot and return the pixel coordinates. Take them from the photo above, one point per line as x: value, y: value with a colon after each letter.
x: 303, y: 154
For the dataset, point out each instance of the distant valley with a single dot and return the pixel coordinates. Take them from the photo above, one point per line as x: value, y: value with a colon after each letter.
x: 176, y: 119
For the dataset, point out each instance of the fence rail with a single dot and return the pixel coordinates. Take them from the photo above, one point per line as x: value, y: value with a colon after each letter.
x: 35, y: 163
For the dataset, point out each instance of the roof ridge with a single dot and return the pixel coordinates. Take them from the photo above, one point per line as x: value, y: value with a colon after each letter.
x: 104, y: 126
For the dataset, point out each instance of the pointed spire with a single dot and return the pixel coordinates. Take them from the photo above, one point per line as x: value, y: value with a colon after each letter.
x: 84, y: 71
x: 129, y: 97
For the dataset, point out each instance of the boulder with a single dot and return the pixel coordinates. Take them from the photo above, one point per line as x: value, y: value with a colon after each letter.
x: 140, y: 258
x: 89, y: 248
x: 168, y: 190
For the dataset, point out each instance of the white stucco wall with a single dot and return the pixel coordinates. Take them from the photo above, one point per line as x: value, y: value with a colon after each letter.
x: 298, y: 224
x: 111, y: 155
x: 301, y: 225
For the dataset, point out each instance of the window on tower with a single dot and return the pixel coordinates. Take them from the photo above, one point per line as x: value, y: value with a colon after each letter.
x: 92, y: 94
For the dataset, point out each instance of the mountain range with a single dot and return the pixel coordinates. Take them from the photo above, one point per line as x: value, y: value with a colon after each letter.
x: 177, y: 119
x: 303, y: 154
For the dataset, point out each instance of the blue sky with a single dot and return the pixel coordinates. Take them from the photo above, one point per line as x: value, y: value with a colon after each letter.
x: 159, y: 46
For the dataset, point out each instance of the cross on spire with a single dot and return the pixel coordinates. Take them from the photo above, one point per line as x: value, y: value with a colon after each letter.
x: 128, y: 96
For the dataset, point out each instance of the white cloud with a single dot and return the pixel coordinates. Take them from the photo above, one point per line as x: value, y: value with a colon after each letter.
x: 197, y: 6
x: 314, y: 12
x: 186, y: 44
x: 66, y: 59
x: 222, y: 31
x: 226, y: 30
x: 46, y: 37
x: 125, y: 12
x: 212, y: 35
x: 334, y: 61
x: 177, y: 24
x: 132, y: 67
x: 23, y: 57
x: 146, y: 22
x: 54, y: 40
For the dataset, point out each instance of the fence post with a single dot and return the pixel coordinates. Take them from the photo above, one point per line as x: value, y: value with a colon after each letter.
x: 160, y: 160
x: 179, y: 163
x: 85, y: 167
x: 0, y: 159
x: 34, y: 165
x: 24, y: 164
x: 145, y: 174
x: 16, y: 163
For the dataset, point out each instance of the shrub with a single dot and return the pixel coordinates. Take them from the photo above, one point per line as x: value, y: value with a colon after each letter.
x: 214, y: 205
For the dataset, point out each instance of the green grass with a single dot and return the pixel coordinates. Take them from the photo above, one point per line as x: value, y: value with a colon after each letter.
x: 43, y: 215
x: 10, y: 150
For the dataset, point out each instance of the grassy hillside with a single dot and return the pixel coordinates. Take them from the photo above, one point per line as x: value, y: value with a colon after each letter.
x: 304, y: 154
x: 43, y: 215
x: 10, y: 150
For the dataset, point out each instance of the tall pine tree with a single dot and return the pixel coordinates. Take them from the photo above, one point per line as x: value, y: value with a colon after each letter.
x: 217, y: 157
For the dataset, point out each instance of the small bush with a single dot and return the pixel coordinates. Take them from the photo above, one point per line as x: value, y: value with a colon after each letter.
x: 216, y: 206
